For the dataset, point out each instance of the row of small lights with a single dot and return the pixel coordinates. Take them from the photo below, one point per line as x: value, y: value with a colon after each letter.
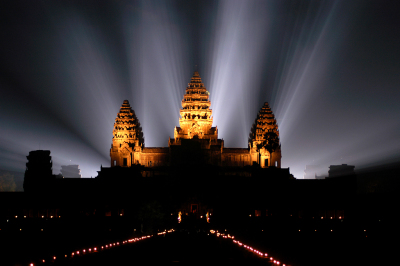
x: 51, y: 216
x: 178, y: 219
x: 108, y: 246
x: 340, y: 217
x: 322, y: 217
x: 249, y: 248
x: 162, y: 233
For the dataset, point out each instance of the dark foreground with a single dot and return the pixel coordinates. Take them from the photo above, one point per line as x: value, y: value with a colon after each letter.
x: 322, y: 242
x: 188, y: 247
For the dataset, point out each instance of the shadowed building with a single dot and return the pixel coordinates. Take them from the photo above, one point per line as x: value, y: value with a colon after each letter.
x: 341, y: 170
x: 71, y: 171
x: 195, y: 140
x: 39, y: 171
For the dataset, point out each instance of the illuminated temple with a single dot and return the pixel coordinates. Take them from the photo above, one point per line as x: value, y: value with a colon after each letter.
x: 195, y: 141
x: 196, y: 177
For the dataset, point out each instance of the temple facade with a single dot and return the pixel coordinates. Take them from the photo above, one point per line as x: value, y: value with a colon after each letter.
x: 195, y: 140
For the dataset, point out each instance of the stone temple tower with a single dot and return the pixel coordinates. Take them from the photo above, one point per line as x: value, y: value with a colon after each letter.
x: 264, y: 144
x: 196, y: 115
x: 127, y: 138
x: 195, y: 143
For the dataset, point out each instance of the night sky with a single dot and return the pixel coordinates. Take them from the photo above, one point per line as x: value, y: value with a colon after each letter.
x: 330, y: 71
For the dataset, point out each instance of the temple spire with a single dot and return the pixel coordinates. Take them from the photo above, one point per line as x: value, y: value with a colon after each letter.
x: 264, y: 138
x: 196, y: 115
x: 196, y: 78
x: 127, y: 136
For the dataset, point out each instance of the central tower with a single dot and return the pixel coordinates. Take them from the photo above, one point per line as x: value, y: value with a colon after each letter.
x: 196, y: 115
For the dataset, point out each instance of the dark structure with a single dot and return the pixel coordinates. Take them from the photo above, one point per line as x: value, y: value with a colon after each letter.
x: 71, y: 171
x: 341, y: 170
x: 39, y: 171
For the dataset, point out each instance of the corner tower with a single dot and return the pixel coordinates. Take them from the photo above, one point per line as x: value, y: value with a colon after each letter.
x: 264, y: 144
x: 196, y: 115
x: 127, y: 138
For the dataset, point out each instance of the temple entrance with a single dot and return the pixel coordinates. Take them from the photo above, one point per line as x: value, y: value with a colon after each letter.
x: 194, y: 208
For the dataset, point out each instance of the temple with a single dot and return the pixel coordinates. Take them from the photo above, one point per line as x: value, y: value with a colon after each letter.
x: 194, y: 181
x: 195, y: 141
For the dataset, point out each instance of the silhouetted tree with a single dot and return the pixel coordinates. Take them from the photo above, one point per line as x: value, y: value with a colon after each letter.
x: 253, y: 130
x: 271, y: 141
x: 7, y: 182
